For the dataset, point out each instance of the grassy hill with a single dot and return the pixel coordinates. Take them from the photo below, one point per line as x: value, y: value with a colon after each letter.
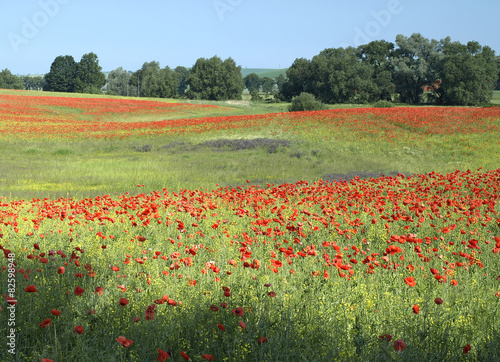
x: 263, y: 72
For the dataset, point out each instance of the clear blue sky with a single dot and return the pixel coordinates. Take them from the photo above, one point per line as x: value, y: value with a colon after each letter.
x: 255, y: 33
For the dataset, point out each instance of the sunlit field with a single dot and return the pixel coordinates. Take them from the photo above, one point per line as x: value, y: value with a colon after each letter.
x: 141, y: 230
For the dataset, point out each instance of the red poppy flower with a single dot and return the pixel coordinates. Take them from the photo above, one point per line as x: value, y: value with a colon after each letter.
x: 30, y: 289
x: 242, y: 324
x: 123, y: 302
x: 221, y: 327
x: 55, y: 312
x: 162, y: 355
x: 271, y: 294
x: 61, y: 270
x: 45, y: 323
x: 416, y: 309
x: 185, y: 356
x: 141, y: 238
x: 214, y: 308
x: 239, y: 311
x: 125, y: 342
x: 98, y: 290
x: 115, y: 268
x: 224, y: 305
x: 79, y: 329
x: 399, y: 345
x: 47, y: 360
x: 497, y: 294
x: 438, y: 301
x: 262, y: 340
x: 466, y: 349
x: 410, y: 281
x: 208, y: 357
x: 387, y: 337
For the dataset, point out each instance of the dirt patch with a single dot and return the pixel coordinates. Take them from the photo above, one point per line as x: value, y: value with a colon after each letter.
x: 238, y: 103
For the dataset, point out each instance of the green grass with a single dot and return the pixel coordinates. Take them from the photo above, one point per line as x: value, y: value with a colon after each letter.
x: 496, y: 97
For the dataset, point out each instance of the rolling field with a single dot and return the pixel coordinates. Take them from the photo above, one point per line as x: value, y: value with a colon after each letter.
x: 141, y: 230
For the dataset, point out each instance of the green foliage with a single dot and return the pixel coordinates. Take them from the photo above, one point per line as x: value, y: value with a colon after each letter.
x: 254, y: 96
x: 214, y: 79
x: 252, y: 82
x: 152, y: 81
x: 89, y: 75
x: 298, y: 79
x: 62, y: 75
x: 305, y: 102
x: 118, y: 83
x: 267, y: 84
x: 33, y: 83
x: 10, y: 81
x: 469, y: 74
x: 181, y: 74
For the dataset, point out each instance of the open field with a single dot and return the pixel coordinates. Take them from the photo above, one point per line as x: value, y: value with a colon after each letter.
x: 140, y: 228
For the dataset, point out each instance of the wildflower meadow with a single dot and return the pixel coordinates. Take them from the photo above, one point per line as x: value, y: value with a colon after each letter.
x: 336, y: 235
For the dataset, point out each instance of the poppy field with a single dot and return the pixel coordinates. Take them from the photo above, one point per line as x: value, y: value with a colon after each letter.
x: 399, y: 261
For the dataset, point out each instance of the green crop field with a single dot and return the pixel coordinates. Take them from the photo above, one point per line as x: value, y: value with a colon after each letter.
x: 139, y: 229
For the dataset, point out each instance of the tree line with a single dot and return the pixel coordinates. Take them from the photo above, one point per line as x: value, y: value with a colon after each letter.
x: 411, y: 70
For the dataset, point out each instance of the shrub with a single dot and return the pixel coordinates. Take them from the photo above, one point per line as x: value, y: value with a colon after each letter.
x: 305, y: 102
x: 383, y: 104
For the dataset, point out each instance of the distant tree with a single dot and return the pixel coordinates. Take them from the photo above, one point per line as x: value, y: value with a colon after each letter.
x: 152, y: 81
x: 181, y: 74
x: 337, y: 76
x: 89, y: 75
x: 167, y: 83
x: 280, y: 80
x: 10, y: 81
x: 298, y: 79
x: 118, y: 82
x: 33, y: 83
x: 267, y: 84
x: 252, y: 82
x: 378, y: 55
x: 214, y: 79
x: 415, y: 64
x: 469, y: 74
x: 62, y: 75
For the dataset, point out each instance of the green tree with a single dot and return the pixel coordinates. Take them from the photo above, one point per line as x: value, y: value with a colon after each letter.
x: 119, y: 82
x: 89, y: 75
x: 267, y: 84
x: 214, y: 79
x: 33, y: 82
x: 252, y: 82
x: 415, y: 63
x: 378, y: 55
x: 469, y: 74
x: 62, y: 75
x: 337, y: 76
x: 298, y: 79
x: 280, y: 80
x: 10, y: 81
x: 181, y: 73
